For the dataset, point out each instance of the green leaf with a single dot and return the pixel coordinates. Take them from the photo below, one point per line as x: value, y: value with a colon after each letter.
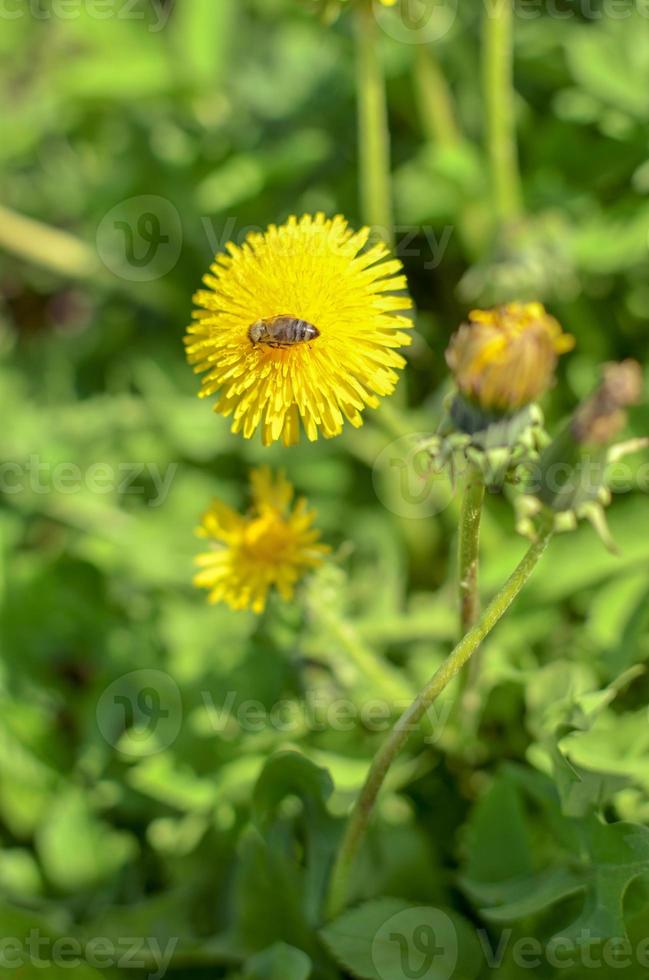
x: 492, y: 856
x: 278, y: 962
x: 618, y: 854
x: 582, y: 790
x: 506, y: 901
x: 162, y: 779
x: 268, y: 900
x: 606, y: 859
x: 388, y: 939
x: 77, y: 849
x: 611, y: 62
x: 290, y: 775
x: 563, y: 706
x: 20, y: 875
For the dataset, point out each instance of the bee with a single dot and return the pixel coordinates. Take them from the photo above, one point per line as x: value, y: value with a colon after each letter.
x: 282, y: 331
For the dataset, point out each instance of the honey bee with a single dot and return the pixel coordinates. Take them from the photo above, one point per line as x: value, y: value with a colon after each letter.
x: 282, y: 331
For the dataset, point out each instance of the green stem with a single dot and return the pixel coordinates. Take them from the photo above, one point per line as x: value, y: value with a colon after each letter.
x: 469, y: 549
x: 434, y: 99
x: 410, y: 719
x: 70, y: 257
x: 501, y: 126
x: 374, y: 134
x: 387, y: 682
x: 55, y: 250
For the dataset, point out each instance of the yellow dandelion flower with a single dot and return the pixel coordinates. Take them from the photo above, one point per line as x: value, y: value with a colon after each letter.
x: 314, y: 273
x: 505, y: 358
x: 272, y: 546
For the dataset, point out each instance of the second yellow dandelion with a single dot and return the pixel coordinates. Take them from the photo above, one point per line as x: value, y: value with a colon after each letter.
x: 271, y: 547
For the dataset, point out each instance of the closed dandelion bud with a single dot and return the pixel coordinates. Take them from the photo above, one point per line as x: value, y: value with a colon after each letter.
x: 502, y: 360
x: 505, y: 358
x: 571, y: 477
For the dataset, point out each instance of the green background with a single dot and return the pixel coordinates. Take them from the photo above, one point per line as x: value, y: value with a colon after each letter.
x: 233, y: 114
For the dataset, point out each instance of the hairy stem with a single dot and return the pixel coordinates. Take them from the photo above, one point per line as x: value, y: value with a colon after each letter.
x: 469, y: 549
x: 501, y: 127
x: 410, y: 719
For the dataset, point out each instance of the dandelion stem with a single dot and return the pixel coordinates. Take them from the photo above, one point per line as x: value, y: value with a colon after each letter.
x: 501, y: 126
x: 48, y: 247
x: 469, y: 548
x: 69, y: 257
x: 387, y: 682
x: 373, y: 132
x: 410, y: 719
x: 434, y: 98
x: 468, y: 704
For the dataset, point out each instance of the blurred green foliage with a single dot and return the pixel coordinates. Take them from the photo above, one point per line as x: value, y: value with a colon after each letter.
x: 178, y: 772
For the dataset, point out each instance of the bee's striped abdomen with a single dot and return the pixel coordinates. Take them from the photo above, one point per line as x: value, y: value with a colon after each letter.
x: 282, y: 331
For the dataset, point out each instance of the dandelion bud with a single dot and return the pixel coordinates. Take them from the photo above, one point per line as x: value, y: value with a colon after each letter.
x: 505, y: 358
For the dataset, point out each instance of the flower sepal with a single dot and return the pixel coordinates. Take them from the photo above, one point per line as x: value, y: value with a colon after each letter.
x: 498, y: 445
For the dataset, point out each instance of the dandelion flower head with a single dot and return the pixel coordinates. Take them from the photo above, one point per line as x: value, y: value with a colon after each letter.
x: 319, y: 272
x: 272, y: 546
